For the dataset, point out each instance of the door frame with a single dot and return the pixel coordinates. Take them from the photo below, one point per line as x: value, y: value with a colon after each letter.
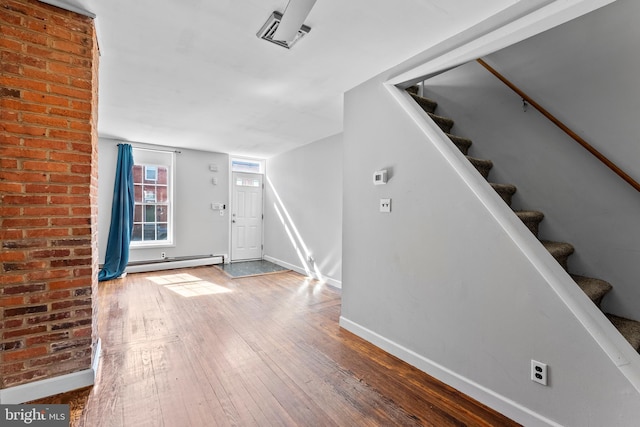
x: 232, y: 207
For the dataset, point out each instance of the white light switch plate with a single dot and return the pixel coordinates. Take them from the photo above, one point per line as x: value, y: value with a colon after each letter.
x: 385, y: 205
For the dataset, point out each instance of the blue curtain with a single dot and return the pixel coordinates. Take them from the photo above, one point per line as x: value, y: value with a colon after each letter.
x: 117, y: 254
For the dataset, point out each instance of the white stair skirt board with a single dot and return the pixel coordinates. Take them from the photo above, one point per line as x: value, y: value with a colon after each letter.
x: 482, y: 394
x: 328, y: 280
x: 173, y: 263
x: 52, y: 386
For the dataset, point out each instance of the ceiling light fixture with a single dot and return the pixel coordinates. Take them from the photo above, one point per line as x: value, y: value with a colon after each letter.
x: 269, y: 28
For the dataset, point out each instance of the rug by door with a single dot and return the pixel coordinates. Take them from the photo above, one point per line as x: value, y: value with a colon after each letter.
x: 250, y: 268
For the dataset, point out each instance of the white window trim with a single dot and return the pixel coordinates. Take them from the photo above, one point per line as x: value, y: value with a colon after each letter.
x: 170, y: 242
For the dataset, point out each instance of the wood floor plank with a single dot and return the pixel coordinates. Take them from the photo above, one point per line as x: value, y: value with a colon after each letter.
x: 193, y: 347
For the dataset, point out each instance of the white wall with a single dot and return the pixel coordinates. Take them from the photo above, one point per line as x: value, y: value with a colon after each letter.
x: 445, y: 282
x: 586, y: 73
x: 594, y: 90
x: 198, y: 230
x: 452, y: 282
x: 308, y: 184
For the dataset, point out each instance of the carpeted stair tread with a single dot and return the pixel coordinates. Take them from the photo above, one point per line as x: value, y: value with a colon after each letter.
x: 463, y: 144
x: 531, y: 219
x: 412, y: 89
x: 505, y: 191
x: 427, y: 105
x: 630, y: 329
x: 482, y: 165
x: 444, y: 123
x: 559, y: 250
x: 594, y: 288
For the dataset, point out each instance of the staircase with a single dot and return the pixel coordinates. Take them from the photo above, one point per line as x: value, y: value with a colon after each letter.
x: 595, y: 289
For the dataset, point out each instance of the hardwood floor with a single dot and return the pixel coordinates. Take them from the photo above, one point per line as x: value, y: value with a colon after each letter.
x: 193, y: 347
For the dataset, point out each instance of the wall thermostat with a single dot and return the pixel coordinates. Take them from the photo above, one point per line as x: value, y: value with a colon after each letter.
x: 380, y: 177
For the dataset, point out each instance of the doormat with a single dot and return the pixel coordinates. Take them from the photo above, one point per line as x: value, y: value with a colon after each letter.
x: 250, y: 268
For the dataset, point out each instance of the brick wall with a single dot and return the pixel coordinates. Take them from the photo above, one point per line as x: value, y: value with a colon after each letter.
x: 48, y: 191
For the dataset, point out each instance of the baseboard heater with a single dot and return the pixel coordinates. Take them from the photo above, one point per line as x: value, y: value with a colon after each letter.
x: 171, y: 263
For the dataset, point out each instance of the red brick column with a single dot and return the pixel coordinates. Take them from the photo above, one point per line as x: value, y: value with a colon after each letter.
x: 48, y: 191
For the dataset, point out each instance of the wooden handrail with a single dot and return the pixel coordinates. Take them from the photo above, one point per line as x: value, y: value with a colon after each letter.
x: 622, y: 174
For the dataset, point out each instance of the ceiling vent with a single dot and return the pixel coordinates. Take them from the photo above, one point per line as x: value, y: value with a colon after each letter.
x: 269, y: 28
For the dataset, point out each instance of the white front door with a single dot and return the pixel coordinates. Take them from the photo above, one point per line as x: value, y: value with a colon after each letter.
x: 246, y: 216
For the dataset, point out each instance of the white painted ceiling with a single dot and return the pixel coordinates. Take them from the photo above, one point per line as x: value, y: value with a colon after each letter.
x: 193, y: 74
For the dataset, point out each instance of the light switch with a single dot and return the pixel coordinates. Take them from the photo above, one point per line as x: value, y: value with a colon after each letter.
x: 385, y: 205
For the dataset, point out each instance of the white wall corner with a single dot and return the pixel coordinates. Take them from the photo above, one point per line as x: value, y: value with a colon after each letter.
x: 298, y: 269
x: 52, y: 386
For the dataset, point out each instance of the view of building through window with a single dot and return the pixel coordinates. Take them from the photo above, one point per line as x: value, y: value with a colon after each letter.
x: 151, y: 207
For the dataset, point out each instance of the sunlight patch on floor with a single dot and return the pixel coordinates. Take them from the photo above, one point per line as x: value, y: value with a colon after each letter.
x: 187, y: 285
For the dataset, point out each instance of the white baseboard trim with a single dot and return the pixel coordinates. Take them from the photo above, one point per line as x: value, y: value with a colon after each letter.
x: 482, y: 394
x: 170, y: 264
x: 52, y: 386
x: 48, y: 387
x: 328, y: 280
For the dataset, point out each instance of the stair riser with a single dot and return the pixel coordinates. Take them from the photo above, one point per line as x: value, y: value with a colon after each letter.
x: 462, y: 144
x: 442, y: 123
x: 563, y: 261
x: 531, y: 219
x: 630, y: 329
x: 483, y: 169
x: 532, y: 225
x: 595, y: 289
x: 560, y: 251
x: 427, y: 105
x: 506, y: 196
x: 504, y: 191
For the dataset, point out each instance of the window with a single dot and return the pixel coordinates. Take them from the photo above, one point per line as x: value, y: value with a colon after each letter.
x: 247, y: 182
x: 247, y: 165
x: 152, y: 210
x: 150, y: 173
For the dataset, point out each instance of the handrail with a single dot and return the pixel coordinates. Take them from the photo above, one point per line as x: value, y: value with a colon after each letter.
x: 622, y: 174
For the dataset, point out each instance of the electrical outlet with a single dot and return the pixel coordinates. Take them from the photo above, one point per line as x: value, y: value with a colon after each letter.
x: 163, y: 255
x: 539, y: 372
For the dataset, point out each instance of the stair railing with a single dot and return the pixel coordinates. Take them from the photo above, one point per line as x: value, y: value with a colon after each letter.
x: 526, y: 98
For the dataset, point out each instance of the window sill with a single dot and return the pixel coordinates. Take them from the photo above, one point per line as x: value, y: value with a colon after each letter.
x: 152, y: 245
